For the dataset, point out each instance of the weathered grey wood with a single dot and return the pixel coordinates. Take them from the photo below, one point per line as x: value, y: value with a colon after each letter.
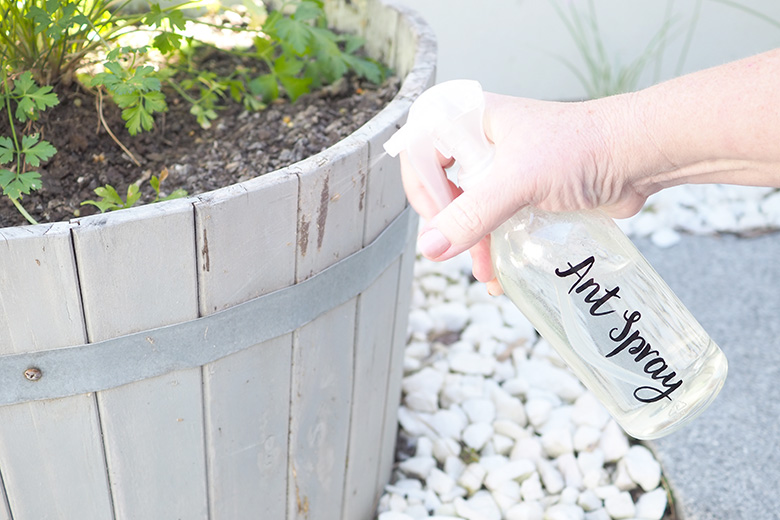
x: 247, y: 401
x: 384, y: 198
x: 138, y: 270
x: 331, y: 205
x: 319, y: 414
x: 246, y: 242
x: 415, y: 45
x: 50, y: 452
x: 373, y: 346
x: 396, y: 366
x: 381, y: 25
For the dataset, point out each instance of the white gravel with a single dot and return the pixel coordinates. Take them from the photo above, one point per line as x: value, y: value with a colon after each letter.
x: 495, y: 427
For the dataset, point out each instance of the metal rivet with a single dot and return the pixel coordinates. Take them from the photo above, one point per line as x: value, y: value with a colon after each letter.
x: 33, y: 374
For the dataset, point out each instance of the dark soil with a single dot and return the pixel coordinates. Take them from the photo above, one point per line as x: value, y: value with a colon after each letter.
x: 239, y: 145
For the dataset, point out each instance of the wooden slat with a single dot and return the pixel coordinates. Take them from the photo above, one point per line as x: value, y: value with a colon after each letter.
x: 138, y: 271
x: 396, y: 366
x: 51, y: 453
x: 319, y: 414
x: 331, y: 206
x: 246, y: 242
x: 373, y: 346
x: 381, y: 24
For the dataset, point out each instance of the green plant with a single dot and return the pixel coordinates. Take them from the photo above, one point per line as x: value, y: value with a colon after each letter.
x: 110, y: 200
x: 54, y: 42
x: 601, y: 77
x: 21, y: 150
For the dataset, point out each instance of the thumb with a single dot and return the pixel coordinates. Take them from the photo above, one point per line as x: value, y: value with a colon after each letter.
x: 461, y: 224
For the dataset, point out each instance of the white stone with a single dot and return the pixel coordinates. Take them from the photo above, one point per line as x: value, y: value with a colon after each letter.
x: 588, y: 411
x: 419, y: 322
x: 569, y: 495
x: 417, y: 512
x: 476, y: 435
x: 621, y: 479
x: 424, y: 447
x: 427, y: 381
x: 516, y: 319
x: 531, y: 488
x: 604, y: 492
x: 479, y: 410
x: 538, y: 411
x: 590, y: 460
x: 413, y: 423
x: 472, y: 477
x: 440, y: 482
x: 395, y: 515
x: 506, y: 495
x: 487, y: 314
x: 515, y: 386
x: 418, y: 467
x: 586, y: 438
x: 455, y: 492
x: 471, y: 363
x: 557, y: 442
x: 447, y: 423
x: 614, y: 442
x: 567, y: 465
x: 598, y: 514
x: 508, y: 407
x: 528, y: 510
x: 620, y: 506
x: 397, y: 503
x: 449, y: 316
x: 512, y: 470
x: 652, y: 505
x: 564, y: 512
x: 551, y: 477
x: 642, y: 467
x: 510, y: 429
x: 433, y: 283
x: 588, y: 501
x: 502, y: 444
x: 480, y: 506
x: 665, y: 237
x: 528, y: 448
x: 595, y: 478
x: 443, y: 448
x: 431, y: 501
x: 454, y: 467
x: 418, y: 349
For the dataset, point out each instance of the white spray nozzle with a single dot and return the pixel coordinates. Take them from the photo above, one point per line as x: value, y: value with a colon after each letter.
x: 447, y: 117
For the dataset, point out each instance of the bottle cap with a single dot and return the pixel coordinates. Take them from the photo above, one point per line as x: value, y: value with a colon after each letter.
x: 447, y: 117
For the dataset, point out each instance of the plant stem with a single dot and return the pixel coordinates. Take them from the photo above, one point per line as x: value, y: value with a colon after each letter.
x: 23, y: 211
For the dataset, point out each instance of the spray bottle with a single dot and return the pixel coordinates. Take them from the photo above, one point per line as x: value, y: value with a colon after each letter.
x: 579, y: 280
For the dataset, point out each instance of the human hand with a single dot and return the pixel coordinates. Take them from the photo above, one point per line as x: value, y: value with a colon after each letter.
x: 555, y: 156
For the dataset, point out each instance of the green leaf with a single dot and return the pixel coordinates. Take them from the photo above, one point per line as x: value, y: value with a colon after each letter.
x: 154, y: 102
x: 31, y: 98
x: 167, y: 42
x: 365, y: 68
x: 136, y: 119
x: 6, y: 177
x: 287, y: 66
x: 295, y: 87
x: 16, y: 185
x: 133, y: 194
x: 110, y: 199
x: 308, y: 11
x: 294, y: 34
x: 265, y: 86
x: 353, y: 43
x: 176, y: 194
x: 204, y: 116
x: 34, y: 151
x: 262, y: 46
x: 155, y: 17
x: 7, y: 150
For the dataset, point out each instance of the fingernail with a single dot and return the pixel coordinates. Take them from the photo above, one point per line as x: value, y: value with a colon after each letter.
x: 432, y: 243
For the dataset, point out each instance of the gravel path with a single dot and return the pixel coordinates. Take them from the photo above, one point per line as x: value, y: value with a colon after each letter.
x: 492, y: 424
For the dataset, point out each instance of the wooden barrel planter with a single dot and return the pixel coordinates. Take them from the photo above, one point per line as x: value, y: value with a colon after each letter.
x: 237, y: 354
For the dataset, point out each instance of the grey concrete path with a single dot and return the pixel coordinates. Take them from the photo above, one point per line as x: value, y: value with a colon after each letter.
x: 726, y: 464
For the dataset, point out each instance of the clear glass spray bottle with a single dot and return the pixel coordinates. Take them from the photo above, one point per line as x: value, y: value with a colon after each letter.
x: 579, y: 280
